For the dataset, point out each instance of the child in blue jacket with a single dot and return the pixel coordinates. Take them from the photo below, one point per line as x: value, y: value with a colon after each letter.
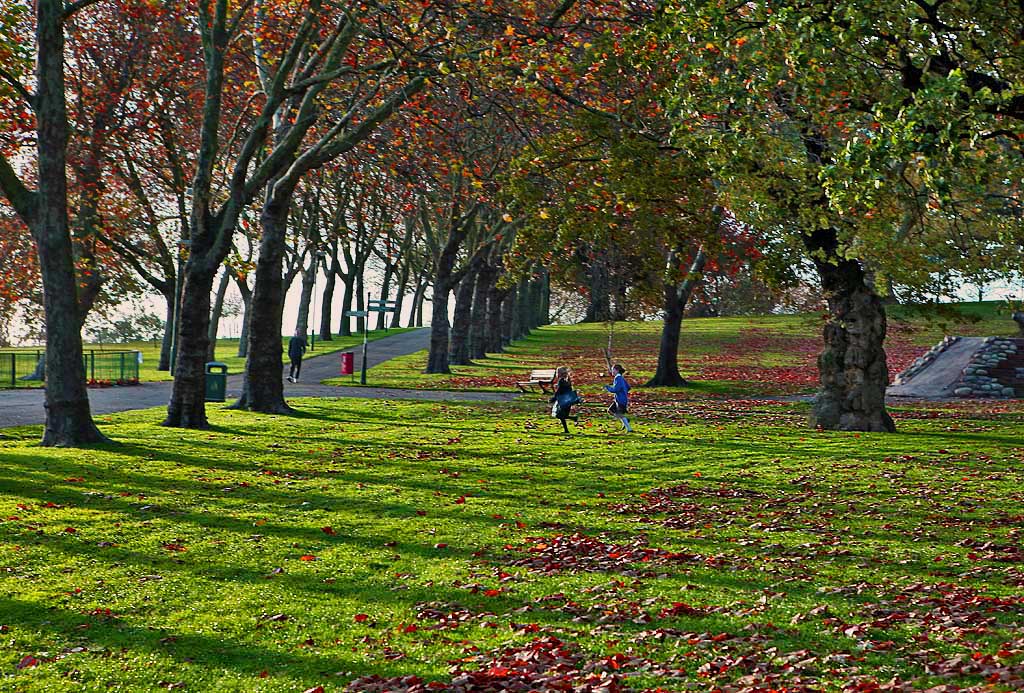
x: 620, y: 388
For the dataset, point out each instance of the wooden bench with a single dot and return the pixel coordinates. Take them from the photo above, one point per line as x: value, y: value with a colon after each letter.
x: 544, y: 377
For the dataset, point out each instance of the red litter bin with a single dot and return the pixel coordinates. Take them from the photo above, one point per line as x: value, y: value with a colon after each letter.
x: 347, y: 363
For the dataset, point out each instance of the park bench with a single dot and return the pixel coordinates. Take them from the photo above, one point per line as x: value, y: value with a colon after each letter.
x: 542, y: 377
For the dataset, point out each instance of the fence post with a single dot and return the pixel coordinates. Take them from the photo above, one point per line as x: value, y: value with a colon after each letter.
x: 13, y: 361
x: 92, y: 365
x: 122, y: 368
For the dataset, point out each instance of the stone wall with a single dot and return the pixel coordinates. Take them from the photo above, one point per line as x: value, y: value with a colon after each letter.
x: 996, y: 370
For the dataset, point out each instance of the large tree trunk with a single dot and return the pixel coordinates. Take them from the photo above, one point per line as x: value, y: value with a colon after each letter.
x: 677, y: 295
x: 458, y: 350
x: 187, y: 408
x: 263, y: 387
x: 215, y: 313
x: 68, y: 416
x: 437, y: 359
x: 852, y: 367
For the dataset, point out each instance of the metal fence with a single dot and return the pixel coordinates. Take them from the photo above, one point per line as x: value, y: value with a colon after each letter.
x: 21, y: 368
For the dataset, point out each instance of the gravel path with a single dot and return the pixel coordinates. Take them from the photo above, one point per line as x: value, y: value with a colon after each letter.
x: 25, y: 407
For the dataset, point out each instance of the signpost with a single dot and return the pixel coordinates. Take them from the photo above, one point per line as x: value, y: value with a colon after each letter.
x: 380, y: 305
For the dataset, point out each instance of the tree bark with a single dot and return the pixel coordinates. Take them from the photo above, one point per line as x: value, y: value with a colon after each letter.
x: 306, y: 296
x: 187, y: 408
x: 346, y: 305
x: 478, y: 316
x: 458, y: 350
x: 403, y: 286
x: 263, y: 387
x: 508, y: 311
x: 215, y: 313
x: 68, y: 417
x: 385, y: 290
x: 437, y: 359
x: 852, y: 367
x: 599, y: 307
x: 415, y: 319
x: 677, y: 295
x: 164, y: 363
x: 243, y: 337
x: 493, y: 342
x: 327, y: 298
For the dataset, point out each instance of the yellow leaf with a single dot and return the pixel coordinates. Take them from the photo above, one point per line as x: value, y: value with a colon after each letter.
x: 507, y: 217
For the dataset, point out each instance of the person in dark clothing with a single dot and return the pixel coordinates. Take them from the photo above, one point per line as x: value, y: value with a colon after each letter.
x: 296, y: 348
x: 564, y: 398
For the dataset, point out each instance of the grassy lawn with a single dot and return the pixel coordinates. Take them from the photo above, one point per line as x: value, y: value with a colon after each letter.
x: 723, y: 547
x: 742, y: 356
x: 227, y: 350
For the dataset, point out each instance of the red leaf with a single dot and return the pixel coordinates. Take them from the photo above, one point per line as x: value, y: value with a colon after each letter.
x: 307, y: 557
x: 27, y: 662
x: 360, y: 618
x: 328, y: 530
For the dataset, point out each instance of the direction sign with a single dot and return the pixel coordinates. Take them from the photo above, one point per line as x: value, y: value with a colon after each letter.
x: 355, y: 313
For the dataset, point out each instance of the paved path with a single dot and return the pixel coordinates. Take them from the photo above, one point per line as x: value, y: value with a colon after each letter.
x: 25, y: 407
x: 936, y: 380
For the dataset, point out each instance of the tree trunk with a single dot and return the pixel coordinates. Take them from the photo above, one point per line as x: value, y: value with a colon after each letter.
x: 327, y: 300
x: 458, y: 350
x: 599, y: 307
x: 478, y: 316
x: 164, y: 364
x: 263, y: 387
x: 493, y: 342
x: 308, y: 277
x: 360, y: 302
x: 508, y: 311
x: 437, y: 359
x: 521, y: 322
x: 243, y: 337
x: 346, y: 306
x: 852, y: 367
x: 385, y: 289
x: 68, y: 417
x: 215, y: 313
x: 187, y: 408
x: 677, y: 295
x: 403, y: 286
x: 417, y: 303
x: 545, y: 300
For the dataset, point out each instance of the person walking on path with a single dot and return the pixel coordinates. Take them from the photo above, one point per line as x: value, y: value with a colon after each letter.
x: 620, y: 388
x: 564, y: 398
x: 296, y: 348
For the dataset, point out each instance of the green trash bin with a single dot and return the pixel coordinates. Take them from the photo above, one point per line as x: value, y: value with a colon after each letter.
x: 216, y: 381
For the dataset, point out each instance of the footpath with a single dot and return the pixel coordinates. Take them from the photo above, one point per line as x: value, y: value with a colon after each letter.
x: 25, y: 407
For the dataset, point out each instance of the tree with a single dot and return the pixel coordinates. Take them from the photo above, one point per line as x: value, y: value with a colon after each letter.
x: 863, y: 131
x: 45, y: 212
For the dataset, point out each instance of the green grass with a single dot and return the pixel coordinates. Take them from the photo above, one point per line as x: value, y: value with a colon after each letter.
x: 176, y: 557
